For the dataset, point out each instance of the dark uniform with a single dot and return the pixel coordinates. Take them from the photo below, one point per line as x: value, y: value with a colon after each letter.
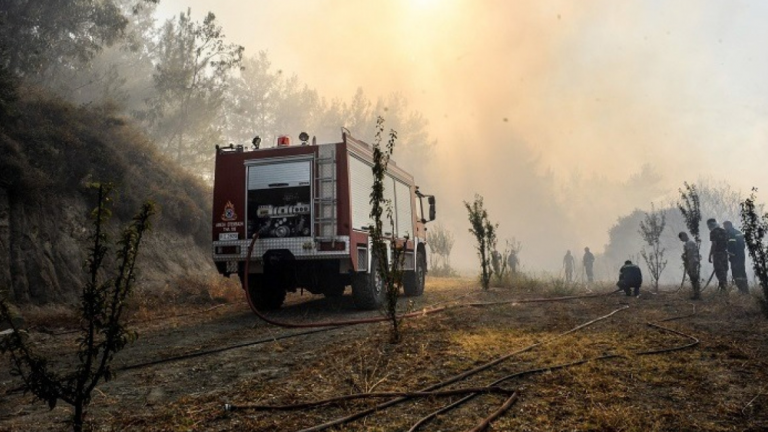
x: 692, y: 261
x: 719, y: 239
x: 737, y: 256
x: 630, y: 277
x: 588, y: 261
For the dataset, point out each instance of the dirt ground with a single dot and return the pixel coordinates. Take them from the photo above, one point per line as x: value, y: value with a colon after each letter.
x: 721, y: 384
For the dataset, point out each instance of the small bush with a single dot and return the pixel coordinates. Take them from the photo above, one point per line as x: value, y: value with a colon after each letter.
x: 755, y: 228
x: 391, y: 273
x: 485, y: 234
x: 102, y: 333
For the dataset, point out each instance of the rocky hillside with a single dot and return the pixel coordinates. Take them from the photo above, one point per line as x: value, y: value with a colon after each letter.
x: 49, y: 151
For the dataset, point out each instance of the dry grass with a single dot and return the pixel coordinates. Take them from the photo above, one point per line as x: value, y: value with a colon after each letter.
x: 182, y: 296
x: 707, y: 388
x: 179, y: 297
x: 50, y: 316
x: 716, y: 386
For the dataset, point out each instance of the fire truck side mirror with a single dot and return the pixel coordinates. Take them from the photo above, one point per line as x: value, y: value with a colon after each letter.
x: 431, y: 201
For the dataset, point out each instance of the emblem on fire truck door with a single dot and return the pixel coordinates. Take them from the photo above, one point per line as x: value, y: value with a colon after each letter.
x: 229, y: 212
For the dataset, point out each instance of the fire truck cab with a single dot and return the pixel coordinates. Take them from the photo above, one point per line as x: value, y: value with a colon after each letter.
x: 308, y: 207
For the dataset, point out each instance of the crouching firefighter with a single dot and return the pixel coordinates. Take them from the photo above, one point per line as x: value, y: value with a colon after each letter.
x: 630, y: 277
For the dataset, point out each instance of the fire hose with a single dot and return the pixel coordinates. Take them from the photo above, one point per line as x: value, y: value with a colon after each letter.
x: 490, y: 388
x: 452, y: 380
x: 694, y: 341
x: 709, y: 280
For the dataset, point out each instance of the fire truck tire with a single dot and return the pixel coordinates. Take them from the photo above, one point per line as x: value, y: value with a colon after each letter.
x: 368, y: 290
x: 413, y: 281
x: 264, y: 292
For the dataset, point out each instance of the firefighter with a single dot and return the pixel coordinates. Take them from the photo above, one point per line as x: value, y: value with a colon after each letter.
x: 692, y: 263
x: 718, y: 252
x: 737, y: 256
x: 496, y: 262
x: 569, y: 264
x: 512, y: 261
x: 630, y: 277
x: 588, y: 261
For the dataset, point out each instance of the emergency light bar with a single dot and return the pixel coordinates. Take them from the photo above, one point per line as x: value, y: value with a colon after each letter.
x: 283, y: 141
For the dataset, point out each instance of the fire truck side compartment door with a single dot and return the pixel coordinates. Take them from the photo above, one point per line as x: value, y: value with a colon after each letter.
x: 404, y: 211
x: 361, y: 180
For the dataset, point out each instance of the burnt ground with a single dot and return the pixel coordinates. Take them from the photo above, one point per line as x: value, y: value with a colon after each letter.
x: 719, y: 385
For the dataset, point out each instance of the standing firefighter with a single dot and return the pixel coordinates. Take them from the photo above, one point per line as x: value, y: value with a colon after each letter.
x: 737, y: 256
x: 691, y: 261
x: 718, y: 252
x: 630, y: 277
x: 496, y: 262
x: 569, y: 264
x: 512, y: 262
x: 588, y: 261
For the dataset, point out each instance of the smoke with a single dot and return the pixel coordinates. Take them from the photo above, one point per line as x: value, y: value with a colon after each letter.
x: 563, y: 115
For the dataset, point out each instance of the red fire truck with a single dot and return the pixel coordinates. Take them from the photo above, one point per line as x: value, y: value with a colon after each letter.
x: 308, y: 206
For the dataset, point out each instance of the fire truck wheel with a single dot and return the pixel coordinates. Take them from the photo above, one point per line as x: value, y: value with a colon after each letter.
x: 368, y: 290
x: 264, y: 292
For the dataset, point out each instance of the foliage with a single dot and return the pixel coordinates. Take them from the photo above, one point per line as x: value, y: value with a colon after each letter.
x: 690, y: 207
x: 715, y: 199
x: 120, y: 73
x: 8, y: 94
x: 440, y: 241
x: 101, y: 308
x: 719, y: 199
x: 42, y: 38
x: 391, y: 273
x: 485, y: 235
x: 177, y: 80
x: 53, y: 147
x: 501, y: 267
x: 755, y: 227
x: 267, y: 102
x: 190, y: 78
x: 651, y: 229
x: 254, y: 98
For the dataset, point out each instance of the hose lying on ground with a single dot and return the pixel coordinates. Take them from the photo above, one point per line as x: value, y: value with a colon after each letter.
x: 510, y: 401
x: 219, y: 349
x: 453, y: 379
x: 498, y: 382
x: 355, y: 396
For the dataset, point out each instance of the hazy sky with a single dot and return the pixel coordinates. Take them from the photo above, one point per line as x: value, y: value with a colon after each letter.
x: 595, y: 87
